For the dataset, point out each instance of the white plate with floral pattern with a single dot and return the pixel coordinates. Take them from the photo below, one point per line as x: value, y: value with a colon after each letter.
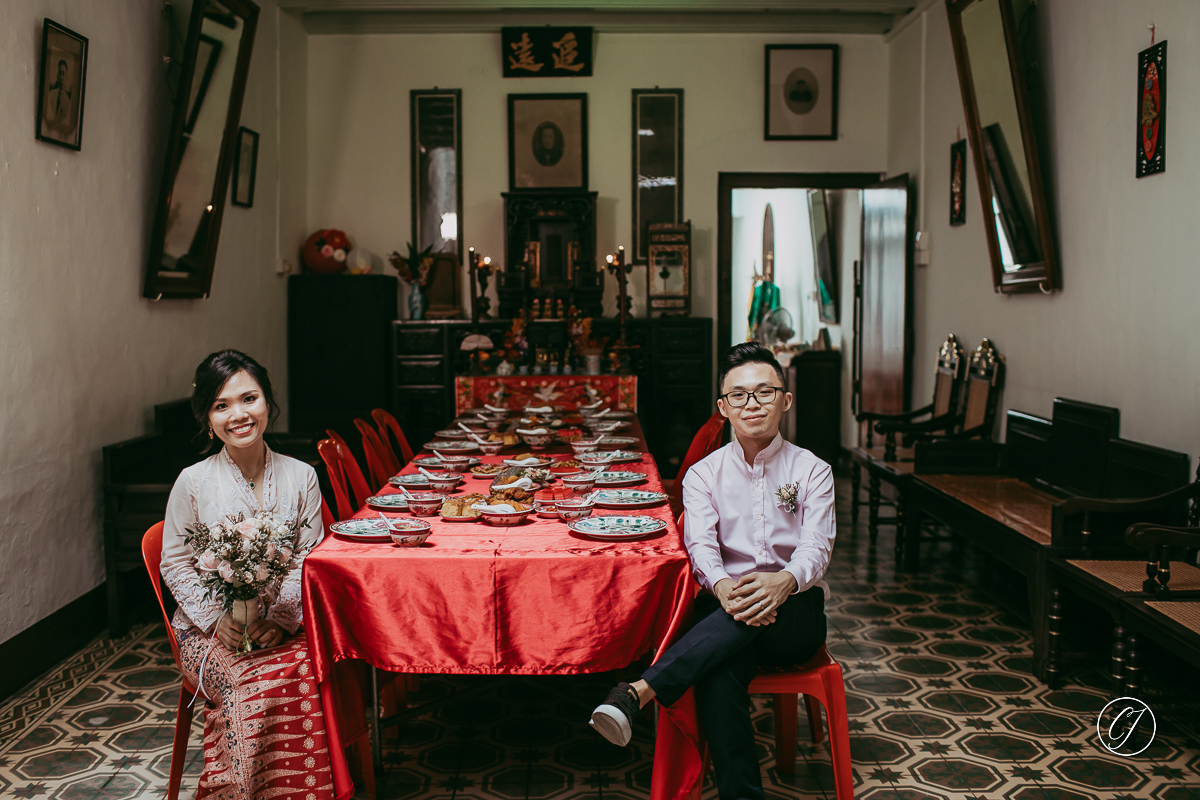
x: 609, y: 442
x: 622, y: 456
x: 628, y: 498
x: 619, y: 478
x: 449, y: 447
x: 615, y: 528
x: 415, y: 479
x: 393, y: 502
x: 434, y: 461
x: 362, y: 530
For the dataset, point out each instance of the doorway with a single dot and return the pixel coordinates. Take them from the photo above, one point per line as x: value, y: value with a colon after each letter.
x: 779, y: 283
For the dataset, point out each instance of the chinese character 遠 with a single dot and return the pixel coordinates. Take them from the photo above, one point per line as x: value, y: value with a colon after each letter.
x: 565, y: 57
x: 523, y: 57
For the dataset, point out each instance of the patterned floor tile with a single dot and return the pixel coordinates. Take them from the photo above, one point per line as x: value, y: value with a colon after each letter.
x: 941, y: 700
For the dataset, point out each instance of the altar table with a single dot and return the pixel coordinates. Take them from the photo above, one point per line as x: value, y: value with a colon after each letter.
x: 473, y: 391
x: 534, y: 599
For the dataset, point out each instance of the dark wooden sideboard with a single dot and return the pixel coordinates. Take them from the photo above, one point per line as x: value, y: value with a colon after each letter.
x: 673, y: 364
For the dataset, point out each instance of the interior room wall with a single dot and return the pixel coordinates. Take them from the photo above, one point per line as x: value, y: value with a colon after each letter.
x: 358, y: 130
x: 84, y: 357
x: 1120, y: 333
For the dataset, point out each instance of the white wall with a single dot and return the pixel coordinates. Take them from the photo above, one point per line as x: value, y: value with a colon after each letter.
x: 84, y: 358
x: 1122, y: 331
x: 358, y: 130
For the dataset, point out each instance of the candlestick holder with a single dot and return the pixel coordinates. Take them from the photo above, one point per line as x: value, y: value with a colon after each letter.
x: 481, y: 269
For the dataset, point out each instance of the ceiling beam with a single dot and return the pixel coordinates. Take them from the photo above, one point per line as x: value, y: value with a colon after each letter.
x: 603, y: 20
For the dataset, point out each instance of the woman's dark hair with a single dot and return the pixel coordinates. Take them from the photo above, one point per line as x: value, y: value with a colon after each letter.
x: 747, y: 353
x: 211, y: 377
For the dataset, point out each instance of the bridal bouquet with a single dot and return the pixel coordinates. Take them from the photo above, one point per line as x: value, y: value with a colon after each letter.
x: 238, y: 558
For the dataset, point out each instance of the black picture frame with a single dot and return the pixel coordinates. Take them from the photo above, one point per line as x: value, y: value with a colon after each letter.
x: 656, y: 131
x: 1152, y: 110
x: 245, y: 167
x: 434, y: 114
x: 534, y: 167
x: 787, y: 118
x: 958, y: 182
x: 62, y: 97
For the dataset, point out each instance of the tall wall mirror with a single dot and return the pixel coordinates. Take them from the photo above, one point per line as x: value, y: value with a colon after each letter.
x: 989, y: 39
x: 436, y: 141
x: 199, y: 153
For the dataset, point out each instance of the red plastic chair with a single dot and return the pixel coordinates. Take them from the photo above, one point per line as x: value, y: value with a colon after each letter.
x: 350, y: 490
x: 378, y: 470
x: 387, y: 422
x: 703, y: 444
x: 152, y: 558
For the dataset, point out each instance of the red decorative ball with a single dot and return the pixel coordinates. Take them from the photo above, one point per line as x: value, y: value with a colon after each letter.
x: 326, y: 250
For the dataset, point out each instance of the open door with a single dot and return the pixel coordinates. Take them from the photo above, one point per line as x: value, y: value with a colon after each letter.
x: 883, y: 330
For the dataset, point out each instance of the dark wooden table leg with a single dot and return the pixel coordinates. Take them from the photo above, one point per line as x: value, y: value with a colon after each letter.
x: 901, y: 510
x: 1118, y: 661
x: 873, y: 493
x: 855, y: 488
x: 1039, y: 614
x: 1054, y: 645
x: 1133, y: 665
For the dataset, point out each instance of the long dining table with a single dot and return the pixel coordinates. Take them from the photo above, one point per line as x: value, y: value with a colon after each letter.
x: 477, y: 599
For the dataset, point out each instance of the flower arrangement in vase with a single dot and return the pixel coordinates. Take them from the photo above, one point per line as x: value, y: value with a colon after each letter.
x: 516, y: 345
x: 238, y: 558
x: 579, y: 331
x: 416, y: 270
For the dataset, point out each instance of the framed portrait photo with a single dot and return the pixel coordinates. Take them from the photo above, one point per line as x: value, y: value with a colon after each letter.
x: 547, y: 142
x: 61, y: 86
x: 801, y: 91
x: 245, y: 165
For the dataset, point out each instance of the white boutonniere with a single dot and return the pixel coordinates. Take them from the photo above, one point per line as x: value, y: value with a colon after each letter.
x: 786, y: 496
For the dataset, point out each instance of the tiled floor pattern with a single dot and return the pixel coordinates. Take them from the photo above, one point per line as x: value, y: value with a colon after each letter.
x: 940, y: 699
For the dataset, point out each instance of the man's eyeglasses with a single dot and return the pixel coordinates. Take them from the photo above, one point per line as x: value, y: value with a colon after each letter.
x: 764, y: 396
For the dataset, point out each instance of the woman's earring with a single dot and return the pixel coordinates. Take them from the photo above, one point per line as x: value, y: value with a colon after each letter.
x: 210, y: 432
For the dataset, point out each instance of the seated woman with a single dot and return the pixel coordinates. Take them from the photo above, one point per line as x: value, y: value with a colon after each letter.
x: 265, y: 733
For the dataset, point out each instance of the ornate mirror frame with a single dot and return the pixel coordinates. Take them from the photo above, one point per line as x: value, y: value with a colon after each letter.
x: 1035, y: 275
x: 162, y: 281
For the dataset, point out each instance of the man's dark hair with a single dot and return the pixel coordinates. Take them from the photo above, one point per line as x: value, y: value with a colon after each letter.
x: 747, y: 353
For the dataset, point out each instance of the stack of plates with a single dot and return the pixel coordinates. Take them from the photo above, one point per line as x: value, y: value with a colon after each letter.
x: 619, y: 478
x: 628, y: 498
x: 362, y: 530
x: 391, y: 502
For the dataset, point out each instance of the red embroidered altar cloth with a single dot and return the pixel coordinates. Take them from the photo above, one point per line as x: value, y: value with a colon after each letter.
x: 531, y: 599
x: 473, y: 391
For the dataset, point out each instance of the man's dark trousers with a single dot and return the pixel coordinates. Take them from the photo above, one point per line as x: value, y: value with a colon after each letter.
x: 720, y: 656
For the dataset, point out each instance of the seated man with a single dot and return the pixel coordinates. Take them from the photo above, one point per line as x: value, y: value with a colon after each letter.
x: 759, y: 528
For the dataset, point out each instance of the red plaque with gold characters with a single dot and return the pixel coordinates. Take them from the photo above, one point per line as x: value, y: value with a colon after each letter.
x: 1152, y: 110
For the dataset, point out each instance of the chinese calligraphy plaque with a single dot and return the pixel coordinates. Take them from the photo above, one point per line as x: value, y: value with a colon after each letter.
x: 546, y: 52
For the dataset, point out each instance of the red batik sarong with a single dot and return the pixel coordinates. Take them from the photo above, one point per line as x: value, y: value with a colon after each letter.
x: 264, y: 733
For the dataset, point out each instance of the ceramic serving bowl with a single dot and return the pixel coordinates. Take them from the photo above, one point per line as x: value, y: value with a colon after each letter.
x: 574, y: 509
x: 537, y: 440
x: 425, y: 504
x: 594, y: 460
x: 505, y: 518
x: 579, y: 483
x: 494, y: 424
x: 409, y: 532
x: 491, y: 448
x: 546, y: 508
x: 581, y: 446
x: 444, y: 482
x: 456, y: 464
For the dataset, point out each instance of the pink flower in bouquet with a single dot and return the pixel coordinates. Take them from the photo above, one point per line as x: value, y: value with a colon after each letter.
x: 246, y: 528
x: 269, y: 551
x: 225, y: 570
x: 285, y: 555
x: 262, y: 574
x: 209, y: 561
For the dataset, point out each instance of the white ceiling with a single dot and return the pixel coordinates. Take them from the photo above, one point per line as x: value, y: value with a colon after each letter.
x: 627, y: 16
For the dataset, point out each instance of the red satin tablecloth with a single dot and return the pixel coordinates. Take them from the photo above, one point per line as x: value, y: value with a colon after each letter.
x: 533, y: 599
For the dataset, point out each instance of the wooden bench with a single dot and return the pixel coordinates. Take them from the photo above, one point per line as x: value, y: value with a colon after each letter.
x: 1023, y: 514
x: 137, y: 478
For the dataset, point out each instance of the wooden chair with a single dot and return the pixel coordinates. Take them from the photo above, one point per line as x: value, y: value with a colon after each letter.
x: 152, y: 558
x: 350, y: 490
x: 706, y: 440
x: 378, y: 471
x: 947, y: 386
x: 386, y: 423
